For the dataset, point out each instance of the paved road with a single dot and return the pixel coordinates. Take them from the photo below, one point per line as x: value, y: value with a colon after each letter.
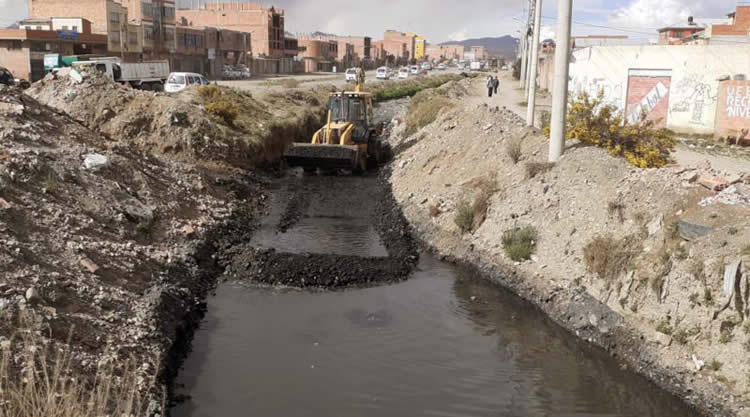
x: 266, y: 84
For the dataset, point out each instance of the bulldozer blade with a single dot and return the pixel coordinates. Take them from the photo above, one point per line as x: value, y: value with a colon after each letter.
x: 322, y: 156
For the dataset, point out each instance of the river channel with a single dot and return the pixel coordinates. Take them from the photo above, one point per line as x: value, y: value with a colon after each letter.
x: 442, y: 343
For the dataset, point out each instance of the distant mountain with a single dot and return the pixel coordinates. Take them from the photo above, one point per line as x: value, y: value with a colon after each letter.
x: 505, y: 45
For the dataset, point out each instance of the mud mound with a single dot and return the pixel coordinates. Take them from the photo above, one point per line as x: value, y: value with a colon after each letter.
x: 178, y: 125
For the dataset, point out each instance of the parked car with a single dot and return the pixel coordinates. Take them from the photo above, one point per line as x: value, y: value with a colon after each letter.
x: 427, y: 66
x: 461, y: 66
x: 442, y: 67
x: 403, y: 73
x: 7, y: 78
x: 178, y: 81
x: 238, y: 72
x: 414, y: 69
x: 351, y: 75
x: 383, y: 73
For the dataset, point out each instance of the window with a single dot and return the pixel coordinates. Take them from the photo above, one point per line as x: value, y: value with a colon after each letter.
x: 114, y: 37
x: 133, y: 38
x: 75, y: 28
x: 148, y: 9
x: 65, y: 27
x: 114, y: 17
x: 38, y: 28
x: 148, y: 33
x: 169, y: 35
x: 167, y: 11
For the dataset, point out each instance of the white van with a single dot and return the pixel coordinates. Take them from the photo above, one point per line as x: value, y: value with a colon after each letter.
x: 383, y: 73
x: 414, y: 70
x: 403, y: 73
x: 179, y: 81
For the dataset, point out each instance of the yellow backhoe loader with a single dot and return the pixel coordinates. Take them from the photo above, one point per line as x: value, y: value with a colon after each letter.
x: 350, y: 138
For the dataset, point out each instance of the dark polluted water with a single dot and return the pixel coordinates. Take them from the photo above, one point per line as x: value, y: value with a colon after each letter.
x: 440, y: 344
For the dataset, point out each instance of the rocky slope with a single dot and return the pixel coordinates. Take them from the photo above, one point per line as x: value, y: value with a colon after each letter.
x: 630, y: 259
x: 103, y: 242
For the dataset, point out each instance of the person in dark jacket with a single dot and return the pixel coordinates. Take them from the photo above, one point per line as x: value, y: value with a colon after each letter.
x: 496, y: 84
x: 490, y: 85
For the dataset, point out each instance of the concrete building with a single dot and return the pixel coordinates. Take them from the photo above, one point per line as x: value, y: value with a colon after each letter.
x: 71, y: 24
x: 265, y: 25
x: 442, y: 52
x: 378, y: 53
x: 191, y: 54
x: 399, y: 45
x: 22, y: 50
x: 107, y: 17
x: 420, y: 47
x: 678, y: 34
x: 730, y: 31
x: 480, y: 53
x: 678, y: 85
x: 319, y: 55
x: 158, y: 24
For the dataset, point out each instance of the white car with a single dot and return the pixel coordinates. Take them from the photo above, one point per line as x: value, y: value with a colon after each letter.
x: 442, y: 67
x: 178, y: 81
x: 383, y: 73
x: 351, y: 75
x: 427, y: 66
x: 403, y: 73
x: 414, y: 70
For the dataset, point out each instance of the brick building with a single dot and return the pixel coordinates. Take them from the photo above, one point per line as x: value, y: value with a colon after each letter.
x: 107, y: 17
x: 158, y: 25
x: 730, y: 31
x: 265, y: 25
x: 399, y: 45
x: 442, y: 52
x: 320, y: 55
x: 480, y: 53
x: 22, y: 50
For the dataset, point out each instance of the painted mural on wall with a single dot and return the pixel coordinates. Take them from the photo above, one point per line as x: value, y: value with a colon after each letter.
x: 693, y: 95
x: 733, y: 109
x: 612, y: 91
x: 649, y: 95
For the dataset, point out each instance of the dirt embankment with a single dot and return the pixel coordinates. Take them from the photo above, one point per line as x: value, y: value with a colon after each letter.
x: 178, y: 126
x: 630, y: 259
x: 103, y: 241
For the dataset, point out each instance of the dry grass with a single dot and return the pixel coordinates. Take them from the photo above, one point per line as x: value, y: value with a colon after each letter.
x: 616, y: 208
x: 608, y: 257
x: 286, y: 83
x: 42, y: 382
x: 536, y: 168
x: 434, y: 210
x: 513, y: 150
x: 520, y: 243
x: 424, y: 108
x: 4, y: 154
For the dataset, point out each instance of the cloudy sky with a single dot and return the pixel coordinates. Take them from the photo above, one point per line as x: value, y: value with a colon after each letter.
x: 454, y: 20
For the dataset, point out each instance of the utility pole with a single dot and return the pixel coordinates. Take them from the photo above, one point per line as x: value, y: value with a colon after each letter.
x: 560, y: 90
x: 531, y: 102
x: 523, y: 58
x: 529, y: 28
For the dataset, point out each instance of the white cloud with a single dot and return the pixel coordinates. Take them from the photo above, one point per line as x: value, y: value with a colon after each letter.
x: 459, y: 35
x: 12, y: 11
x: 548, y: 32
x: 652, y: 14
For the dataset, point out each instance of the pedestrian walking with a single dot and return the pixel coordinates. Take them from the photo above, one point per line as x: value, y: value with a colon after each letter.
x: 490, y: 85
x: 496, y: 84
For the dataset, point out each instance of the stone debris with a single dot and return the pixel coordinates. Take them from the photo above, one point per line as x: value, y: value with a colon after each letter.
x: 733, y: 195
x: 95, y: 161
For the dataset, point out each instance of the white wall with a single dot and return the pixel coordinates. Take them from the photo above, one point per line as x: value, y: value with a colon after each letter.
x: 59, y: 22
x: 695, y: 70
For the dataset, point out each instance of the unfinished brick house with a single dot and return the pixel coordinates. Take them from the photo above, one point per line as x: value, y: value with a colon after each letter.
x: 265, y: 25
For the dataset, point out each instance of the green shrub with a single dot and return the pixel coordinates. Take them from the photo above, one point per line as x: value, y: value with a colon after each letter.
x: 592, y: 121
x: 520, y: 243
x: 464, y: 216
x: 224, y: 111
x: 681, y: 336
x: 715, y: 365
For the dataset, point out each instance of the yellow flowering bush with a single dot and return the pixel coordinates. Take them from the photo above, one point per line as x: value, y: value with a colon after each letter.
x: 592, y: 121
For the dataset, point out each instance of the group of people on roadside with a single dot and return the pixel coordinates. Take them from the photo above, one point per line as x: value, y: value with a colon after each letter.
x: 492, y: 85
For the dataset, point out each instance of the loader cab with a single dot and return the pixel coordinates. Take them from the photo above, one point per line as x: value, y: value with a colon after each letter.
x: 351, y: 107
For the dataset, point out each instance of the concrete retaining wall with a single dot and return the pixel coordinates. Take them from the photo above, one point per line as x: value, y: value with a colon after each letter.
x: 677, y: 83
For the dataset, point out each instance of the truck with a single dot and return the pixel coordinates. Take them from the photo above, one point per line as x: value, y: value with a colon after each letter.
x: 476, y: 65
x: 149, y: 75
